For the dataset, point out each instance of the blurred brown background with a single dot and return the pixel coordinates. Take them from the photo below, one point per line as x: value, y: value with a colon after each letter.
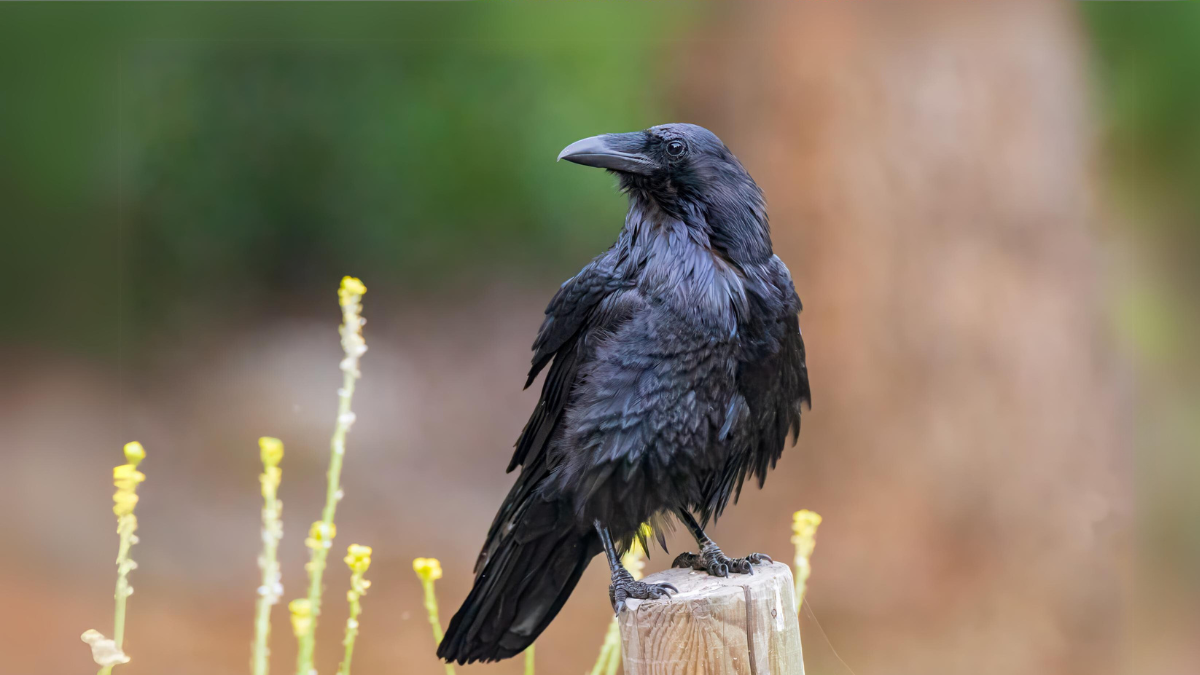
x: 992, y: 239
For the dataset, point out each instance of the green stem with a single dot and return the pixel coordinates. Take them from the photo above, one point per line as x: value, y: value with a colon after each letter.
x: 610, y: 651
x: 125, y: 527
x: 614, y: 656
x: 351, y: 634
x: 268, y: 592
x: 529, y: 660
x: 431, y: 608
x: 124, y: 564
x: 333, y: 493
x: 353, y: 346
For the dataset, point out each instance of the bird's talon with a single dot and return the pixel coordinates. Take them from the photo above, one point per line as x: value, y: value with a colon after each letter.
x: 758, y: 558
x: 686, y: 560
x: 712, y: 560
x: 624, y: 587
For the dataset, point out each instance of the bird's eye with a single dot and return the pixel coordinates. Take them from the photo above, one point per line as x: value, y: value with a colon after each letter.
x: 676, y: 148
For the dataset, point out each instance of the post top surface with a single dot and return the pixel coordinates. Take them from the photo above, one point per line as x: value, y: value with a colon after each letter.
x: 693, y: 584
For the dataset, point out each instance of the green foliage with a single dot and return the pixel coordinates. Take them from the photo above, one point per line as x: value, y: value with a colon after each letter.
x: 182, y: 165
x: 1147, y: 68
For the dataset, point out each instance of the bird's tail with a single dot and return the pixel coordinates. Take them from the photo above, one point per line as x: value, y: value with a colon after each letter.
x: 531, y: 566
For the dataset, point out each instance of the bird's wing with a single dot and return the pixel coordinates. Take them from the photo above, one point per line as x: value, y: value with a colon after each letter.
x: 587, y: 305
x: 648, y: 405
x: 570, y: 317
x: 772, y: 386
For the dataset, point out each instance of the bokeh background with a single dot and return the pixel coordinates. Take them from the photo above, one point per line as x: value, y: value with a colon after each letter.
x: 990, y: 213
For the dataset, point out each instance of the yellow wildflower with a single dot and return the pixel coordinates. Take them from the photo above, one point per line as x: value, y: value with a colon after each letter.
x: 123, y: 503
x: 321, y: 535
x: 270, y: 479
x: 429, y: 569
x: 271, y: 450
x: 350, y: 290
x: 107, y: 652
x: 126, y: 479
x: 134, y: 453
x: 804, y: 532
x: 358, y: 558
x: 271, y: 586
x: 302, y: 616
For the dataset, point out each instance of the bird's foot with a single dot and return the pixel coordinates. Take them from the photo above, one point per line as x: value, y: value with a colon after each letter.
x: 712, y: 560
x: 624, y: 587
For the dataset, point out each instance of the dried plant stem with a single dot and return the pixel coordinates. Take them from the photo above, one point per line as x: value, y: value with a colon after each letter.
x: 271, y: 588
x: 323, y: 531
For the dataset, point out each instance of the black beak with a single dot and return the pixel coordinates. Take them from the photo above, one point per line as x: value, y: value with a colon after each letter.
x: 616, y: 152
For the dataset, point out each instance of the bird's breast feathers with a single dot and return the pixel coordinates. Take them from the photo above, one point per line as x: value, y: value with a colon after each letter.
x: 690, y: 280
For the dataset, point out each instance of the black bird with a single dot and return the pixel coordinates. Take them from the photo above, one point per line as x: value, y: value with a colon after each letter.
x: 676, y: 372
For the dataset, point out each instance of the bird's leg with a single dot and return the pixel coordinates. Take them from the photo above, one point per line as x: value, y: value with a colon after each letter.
x: 624, y: 586
x: 710, y: 558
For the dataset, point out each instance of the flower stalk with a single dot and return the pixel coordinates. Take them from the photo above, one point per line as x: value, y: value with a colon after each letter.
x: 105, y: 652
x: 428, y: 571
x: 323, y: 531
x: 804, y: 537
x: 271, y: 588
x: 358, y: 559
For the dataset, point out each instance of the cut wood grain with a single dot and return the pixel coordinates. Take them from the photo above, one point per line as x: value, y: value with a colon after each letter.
x: 743, y: 624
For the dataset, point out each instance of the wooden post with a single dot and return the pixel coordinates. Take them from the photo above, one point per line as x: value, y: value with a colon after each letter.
x: 743, y: 624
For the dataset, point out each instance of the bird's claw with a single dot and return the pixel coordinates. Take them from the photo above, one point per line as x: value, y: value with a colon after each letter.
x: 710, y: 559
x: 625, y: 587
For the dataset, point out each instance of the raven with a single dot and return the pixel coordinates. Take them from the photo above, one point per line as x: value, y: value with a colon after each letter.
x: 676, y: 372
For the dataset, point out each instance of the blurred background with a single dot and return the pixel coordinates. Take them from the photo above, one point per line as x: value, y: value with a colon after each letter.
x: 990, y: 213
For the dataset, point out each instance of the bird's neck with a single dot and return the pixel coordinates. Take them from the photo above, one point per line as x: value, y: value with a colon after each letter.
x: 676, y: 264
x: 731, y: 227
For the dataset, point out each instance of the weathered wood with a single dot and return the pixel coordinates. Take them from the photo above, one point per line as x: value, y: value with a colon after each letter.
x: 743, y: 624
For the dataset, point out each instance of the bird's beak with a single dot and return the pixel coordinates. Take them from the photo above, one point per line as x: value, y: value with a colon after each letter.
x: 617, y: 152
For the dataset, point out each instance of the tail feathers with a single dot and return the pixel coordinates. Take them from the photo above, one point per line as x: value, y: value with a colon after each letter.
x: 525, y: 581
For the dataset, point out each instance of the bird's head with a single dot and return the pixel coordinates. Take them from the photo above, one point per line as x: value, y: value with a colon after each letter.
x: 688, y: 173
